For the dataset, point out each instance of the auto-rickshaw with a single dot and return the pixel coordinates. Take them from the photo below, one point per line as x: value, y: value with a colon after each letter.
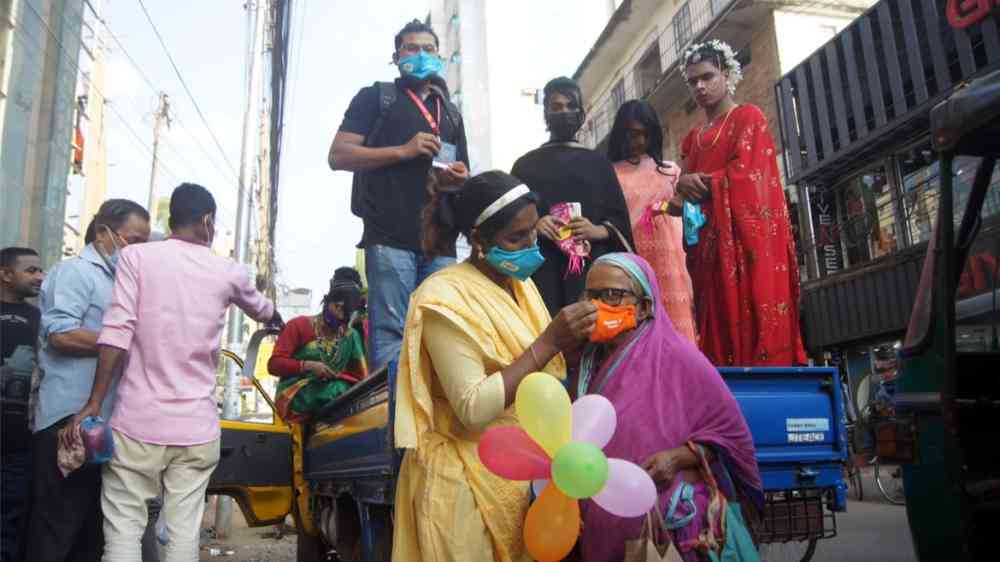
x: 946, y: 434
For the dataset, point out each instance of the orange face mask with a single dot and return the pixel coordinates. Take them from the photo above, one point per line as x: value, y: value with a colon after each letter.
x: 612, y: 321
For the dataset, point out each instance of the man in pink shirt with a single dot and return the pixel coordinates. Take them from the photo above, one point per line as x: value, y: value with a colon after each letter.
x: 165, y: 322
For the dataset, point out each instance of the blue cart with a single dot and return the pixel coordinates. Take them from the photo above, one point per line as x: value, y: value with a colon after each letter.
x: 796, y: 417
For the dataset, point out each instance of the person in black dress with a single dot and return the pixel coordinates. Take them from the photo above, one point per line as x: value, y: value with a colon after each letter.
x: 563, y: 170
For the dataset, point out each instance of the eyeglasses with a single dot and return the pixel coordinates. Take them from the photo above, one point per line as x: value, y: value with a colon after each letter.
x: 611, y: 296
x: 411, y: 48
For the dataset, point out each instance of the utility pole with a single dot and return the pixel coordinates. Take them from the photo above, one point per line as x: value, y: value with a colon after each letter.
x: 162, y: 118
x: 256, y: 11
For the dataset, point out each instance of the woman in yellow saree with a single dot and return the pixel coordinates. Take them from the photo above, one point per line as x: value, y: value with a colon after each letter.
x: 473, y: 332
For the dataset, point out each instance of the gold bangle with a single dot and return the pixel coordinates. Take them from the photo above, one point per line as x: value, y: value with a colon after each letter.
x: 538, y: 364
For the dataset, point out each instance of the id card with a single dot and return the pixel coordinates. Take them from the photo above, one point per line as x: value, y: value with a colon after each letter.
x: 447, y: 155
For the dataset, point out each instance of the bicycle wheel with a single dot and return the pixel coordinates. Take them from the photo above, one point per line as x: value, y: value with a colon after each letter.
x: 890, y: 483
x: 793, y: 551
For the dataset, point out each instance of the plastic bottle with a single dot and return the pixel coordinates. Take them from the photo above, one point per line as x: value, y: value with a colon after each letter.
x: 97, y: 440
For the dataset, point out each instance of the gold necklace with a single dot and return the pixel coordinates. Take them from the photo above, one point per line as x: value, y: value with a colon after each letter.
x: 697, y: 138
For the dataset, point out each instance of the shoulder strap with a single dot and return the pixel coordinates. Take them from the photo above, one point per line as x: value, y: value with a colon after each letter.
x: 621, y: 237
x: 386, y: 98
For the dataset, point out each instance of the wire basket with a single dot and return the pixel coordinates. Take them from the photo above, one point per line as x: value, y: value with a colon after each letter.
x: 795, y: 515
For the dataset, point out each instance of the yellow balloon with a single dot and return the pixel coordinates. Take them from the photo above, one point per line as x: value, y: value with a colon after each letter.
x: 544, y: 411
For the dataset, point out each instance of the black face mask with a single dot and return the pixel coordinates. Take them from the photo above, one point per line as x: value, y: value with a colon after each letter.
x: 565, y: 125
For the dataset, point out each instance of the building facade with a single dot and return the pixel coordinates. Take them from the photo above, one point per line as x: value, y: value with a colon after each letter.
x: 39, y: 65
x: 88, y: 168
x: 292, y: 302
x: 855, y: 122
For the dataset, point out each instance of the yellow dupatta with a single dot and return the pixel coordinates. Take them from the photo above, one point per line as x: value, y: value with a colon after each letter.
x: 502, y: 329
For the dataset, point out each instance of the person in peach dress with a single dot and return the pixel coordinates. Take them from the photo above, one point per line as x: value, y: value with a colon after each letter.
x: 635, y: 147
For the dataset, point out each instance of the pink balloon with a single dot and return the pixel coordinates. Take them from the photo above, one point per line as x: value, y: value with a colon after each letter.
x: 629, y: 492
x: 594, y: 420
x: 509, y: 452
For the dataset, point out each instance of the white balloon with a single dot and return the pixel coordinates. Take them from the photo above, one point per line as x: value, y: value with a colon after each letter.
x: 594, y: 420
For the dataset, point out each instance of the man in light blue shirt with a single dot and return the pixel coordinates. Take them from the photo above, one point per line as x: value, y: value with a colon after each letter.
x: 65, y: 520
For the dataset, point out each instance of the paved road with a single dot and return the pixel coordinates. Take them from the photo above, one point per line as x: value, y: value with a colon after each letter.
x: 871, y: 531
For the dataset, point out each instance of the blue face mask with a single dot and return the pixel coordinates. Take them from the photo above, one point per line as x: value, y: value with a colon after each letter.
x: 112, y: 260
x: 519, y: 264
x: 421, y: 65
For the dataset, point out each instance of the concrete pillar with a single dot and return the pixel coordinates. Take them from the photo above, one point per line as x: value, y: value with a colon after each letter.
x: 38, y: 121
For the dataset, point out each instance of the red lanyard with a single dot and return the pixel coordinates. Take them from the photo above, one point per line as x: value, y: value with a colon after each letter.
x: 427, y: 114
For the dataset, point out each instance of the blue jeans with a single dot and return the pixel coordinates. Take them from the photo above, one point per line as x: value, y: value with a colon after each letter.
x: 16, y: 488
x: 393, y: 275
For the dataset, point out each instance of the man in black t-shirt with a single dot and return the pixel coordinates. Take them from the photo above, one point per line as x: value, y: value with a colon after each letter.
x: 20, y: 279
x: 392, y: 136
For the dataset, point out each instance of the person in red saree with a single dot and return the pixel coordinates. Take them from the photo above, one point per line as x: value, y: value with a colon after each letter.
x: 743, y: 267
x: 319, y: 357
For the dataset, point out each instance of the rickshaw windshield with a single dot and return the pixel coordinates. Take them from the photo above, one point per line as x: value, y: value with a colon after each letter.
x: 976, y: 295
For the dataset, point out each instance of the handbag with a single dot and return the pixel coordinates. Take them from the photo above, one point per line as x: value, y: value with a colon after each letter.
x: 646, y: 549
x: 736, y: 544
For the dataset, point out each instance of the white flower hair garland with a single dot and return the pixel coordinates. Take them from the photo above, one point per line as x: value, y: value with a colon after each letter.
x: 693, y: 56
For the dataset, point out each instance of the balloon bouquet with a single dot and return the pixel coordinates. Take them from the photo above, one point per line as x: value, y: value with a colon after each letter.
x: 561, y: 442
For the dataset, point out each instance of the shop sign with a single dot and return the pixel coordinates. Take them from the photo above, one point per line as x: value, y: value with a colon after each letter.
x: 826, y: 231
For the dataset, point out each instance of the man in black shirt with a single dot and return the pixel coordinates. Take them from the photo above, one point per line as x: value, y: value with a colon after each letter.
x: 20, y: 279
x: 392, y: 136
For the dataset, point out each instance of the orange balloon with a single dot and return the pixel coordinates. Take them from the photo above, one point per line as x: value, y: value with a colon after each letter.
x: 552, y: 525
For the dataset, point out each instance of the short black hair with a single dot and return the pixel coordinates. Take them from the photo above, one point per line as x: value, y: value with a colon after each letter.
x: 643, y: 113
x: 565, y: 86
x: 10, y: 255
x: 114, y: 213
x: 416, y: 26
x: 189, y: 204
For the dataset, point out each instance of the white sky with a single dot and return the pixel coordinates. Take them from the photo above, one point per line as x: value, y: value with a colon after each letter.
x: 338, y: 47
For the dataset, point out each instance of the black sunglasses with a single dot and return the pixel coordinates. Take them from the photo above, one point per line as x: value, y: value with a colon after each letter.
x: 611, y: 296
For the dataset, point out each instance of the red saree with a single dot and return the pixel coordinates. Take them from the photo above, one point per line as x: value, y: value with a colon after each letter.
x: 744, y: 271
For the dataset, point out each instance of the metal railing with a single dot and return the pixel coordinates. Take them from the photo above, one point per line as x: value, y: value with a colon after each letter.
x: 671, y: 42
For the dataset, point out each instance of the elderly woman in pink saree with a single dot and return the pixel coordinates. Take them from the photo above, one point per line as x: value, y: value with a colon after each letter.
x: 635, y: 146
x: 667, y: 395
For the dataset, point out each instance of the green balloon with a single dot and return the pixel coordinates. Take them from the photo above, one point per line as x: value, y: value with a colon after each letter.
x: 580, y: 469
